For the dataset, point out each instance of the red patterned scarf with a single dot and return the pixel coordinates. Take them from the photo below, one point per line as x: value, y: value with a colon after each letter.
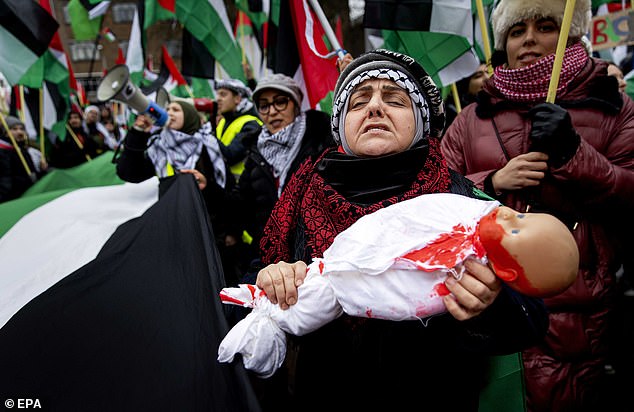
x: 322, y: 212
x: 530, y: 84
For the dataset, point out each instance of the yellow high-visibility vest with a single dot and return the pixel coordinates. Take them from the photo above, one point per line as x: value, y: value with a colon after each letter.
x: 227, y: 136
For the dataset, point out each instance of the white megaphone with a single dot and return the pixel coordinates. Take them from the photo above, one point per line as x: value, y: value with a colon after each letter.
x: 116, y: 85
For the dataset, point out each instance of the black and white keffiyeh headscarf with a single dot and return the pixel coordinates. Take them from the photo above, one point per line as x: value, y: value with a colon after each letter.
x: 406, y: 73
x: 238, y: 88
x: 182, y: 151
x: 281, y: 148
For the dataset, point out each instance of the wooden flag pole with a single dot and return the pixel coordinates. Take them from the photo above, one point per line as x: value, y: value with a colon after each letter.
x: 15, y: 145
x: 22, y: 103
x: 456, y: 97
x: 561, y: 49
x: 241, y: 25
x: 42, y: 123
x: 485, y: 34
x: 77, y: 141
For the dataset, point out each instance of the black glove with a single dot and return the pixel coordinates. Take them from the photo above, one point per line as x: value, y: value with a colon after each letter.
x: 552, y: 133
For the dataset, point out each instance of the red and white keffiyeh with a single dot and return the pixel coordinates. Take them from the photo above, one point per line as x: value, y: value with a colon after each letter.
x: 390, y: 264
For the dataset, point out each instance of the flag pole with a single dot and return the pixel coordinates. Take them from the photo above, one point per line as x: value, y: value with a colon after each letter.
x: 456, y: 97
x: 15, y: 146
x: 241, y: 25
x: 327, y: 29
x: 485, y: 34
x: 561, y: 49
x: 42, y: 122
x: 77, y: 141
x: 22, y: 103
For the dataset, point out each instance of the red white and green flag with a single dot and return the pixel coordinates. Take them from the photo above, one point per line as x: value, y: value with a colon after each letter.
x: 245, y: 33
x: 206, y: 20
x: 52, y: 73
x: 438, y: 34
x: 26, y: 29
x: 169, y: 78
x: 86, y: 17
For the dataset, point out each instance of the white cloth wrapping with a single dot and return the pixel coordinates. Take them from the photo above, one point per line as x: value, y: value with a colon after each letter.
x: 260, y: 336
x: 363, y: 273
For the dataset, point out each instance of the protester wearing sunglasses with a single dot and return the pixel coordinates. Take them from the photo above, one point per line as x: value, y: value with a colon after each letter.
x: 288, y: 137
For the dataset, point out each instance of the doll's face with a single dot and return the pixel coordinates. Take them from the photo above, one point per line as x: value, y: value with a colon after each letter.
x: 534, y: 253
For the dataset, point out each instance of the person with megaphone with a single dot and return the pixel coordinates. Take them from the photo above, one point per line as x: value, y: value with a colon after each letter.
x: 184, y: 145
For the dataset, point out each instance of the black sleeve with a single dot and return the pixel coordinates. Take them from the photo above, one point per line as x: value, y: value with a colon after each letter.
x: 133, y: 165
x: 236, y: 151
x: 5, y: 175
x: 512, y: 323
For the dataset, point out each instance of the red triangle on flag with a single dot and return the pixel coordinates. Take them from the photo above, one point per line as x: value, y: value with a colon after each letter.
x: 171, y: 66
x: 120, y: 57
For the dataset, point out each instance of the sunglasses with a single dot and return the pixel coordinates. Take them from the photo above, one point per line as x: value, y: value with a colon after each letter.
x: 280, y: 103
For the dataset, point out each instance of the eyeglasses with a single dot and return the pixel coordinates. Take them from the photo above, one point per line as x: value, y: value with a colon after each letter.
x: 280, y: 103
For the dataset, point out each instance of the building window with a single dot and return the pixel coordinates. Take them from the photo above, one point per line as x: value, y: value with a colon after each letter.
x: 123, y: 12
x: 83, y: 51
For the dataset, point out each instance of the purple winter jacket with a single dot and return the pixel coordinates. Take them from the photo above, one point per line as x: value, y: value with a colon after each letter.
x: 593, y: 193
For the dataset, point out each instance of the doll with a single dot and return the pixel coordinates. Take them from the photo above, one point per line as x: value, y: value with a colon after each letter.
x: 392, y: 264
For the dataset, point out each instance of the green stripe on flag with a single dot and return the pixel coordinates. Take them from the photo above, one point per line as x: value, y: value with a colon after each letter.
x: 98, y: 172
x: 15, y: 58
x: 83, y: 27
x: 434, y: 51
x: 207, y: 21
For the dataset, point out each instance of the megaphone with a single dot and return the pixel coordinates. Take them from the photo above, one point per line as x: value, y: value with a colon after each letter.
x: 116, y: 85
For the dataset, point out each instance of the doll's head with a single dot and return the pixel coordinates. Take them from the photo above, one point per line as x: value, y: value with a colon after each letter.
x: 534, y: 253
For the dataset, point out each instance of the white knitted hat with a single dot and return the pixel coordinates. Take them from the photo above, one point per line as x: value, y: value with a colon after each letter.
x: 509, y: 12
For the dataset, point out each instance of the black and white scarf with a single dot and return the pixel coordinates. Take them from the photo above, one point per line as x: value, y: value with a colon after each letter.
x: 281, y: 148
x: 182, y: 151
x: 419, y: 104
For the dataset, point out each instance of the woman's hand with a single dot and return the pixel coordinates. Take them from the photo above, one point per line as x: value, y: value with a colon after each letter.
x: 472, y: 294
x: 143, y: 123
x: 522, y: 171
x: 280, y: 282
x: 201, y: 180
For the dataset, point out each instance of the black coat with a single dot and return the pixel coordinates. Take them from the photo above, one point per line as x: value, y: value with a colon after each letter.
x: 133, y: 165
x: 256, y: 192
x: 13, y: 177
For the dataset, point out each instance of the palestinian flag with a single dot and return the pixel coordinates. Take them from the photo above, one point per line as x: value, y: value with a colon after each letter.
x: 207, y: 21
x: 115, y: 306
x: 257, y: 10
x: 86, y: 17
x: 55, y: 106
x: 198, y: 65
x: 26, y: 29
x: 246, y: 34
x: 169, y: 78
x: 196, y: 61
x: 53, y: 74
x: 440, y: 37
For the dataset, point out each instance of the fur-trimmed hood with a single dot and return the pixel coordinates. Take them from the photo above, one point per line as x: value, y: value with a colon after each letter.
x: 509, y: 12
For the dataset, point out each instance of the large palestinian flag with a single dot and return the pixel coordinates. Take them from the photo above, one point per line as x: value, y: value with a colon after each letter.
x: 109, y: 302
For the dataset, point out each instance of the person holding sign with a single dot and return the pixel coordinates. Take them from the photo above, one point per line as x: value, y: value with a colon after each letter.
x: 571, y: 156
